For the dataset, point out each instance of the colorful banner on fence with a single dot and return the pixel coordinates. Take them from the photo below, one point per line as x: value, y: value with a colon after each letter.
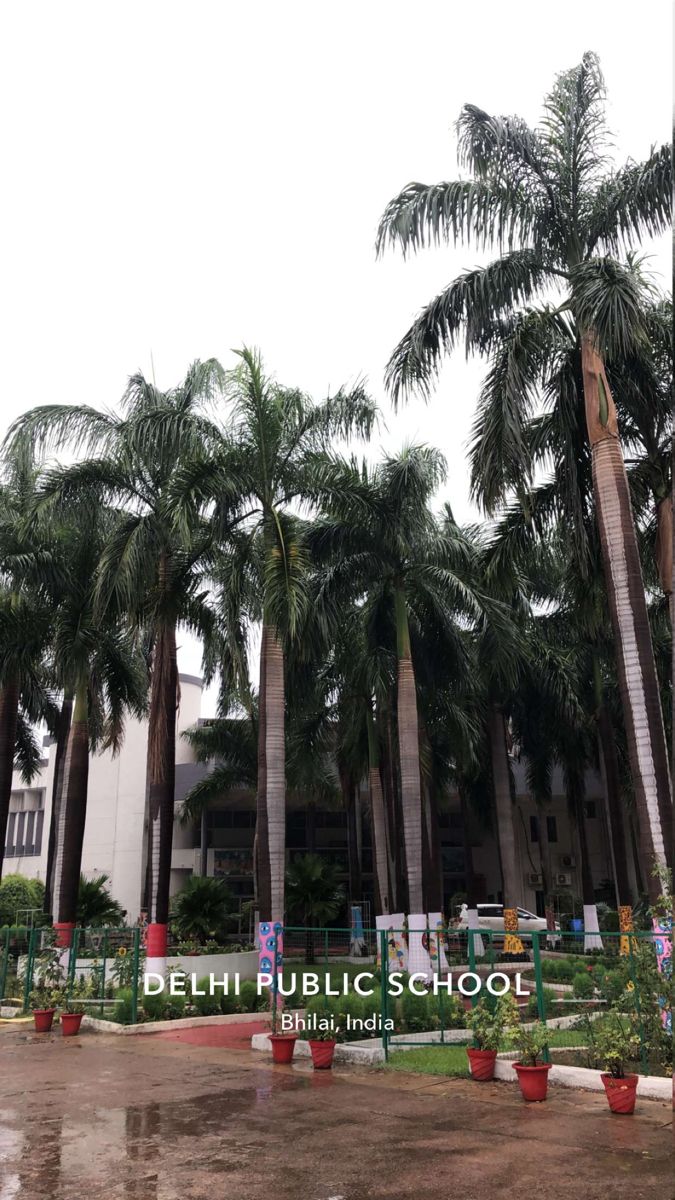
x: 392, y: 924
x: 271, y: 955
x: 418, y: 952
x: 436, y: 942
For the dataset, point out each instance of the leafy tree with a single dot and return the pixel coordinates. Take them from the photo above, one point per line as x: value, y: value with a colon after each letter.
x: 560, y: 219
x: 17, y: 895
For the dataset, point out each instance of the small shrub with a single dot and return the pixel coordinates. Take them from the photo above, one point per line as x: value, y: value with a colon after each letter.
x: 208, y: 1005
x: 414, y: 1012
x: 447, y: 1012
x: 582, y: 984
x: 174, y: 1007
x: 154, y: 1006
x: 248, y: 996
x: 550, y: 1007
x: 122, y: 1010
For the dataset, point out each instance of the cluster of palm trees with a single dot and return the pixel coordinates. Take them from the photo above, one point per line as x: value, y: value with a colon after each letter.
x: 395, y: 645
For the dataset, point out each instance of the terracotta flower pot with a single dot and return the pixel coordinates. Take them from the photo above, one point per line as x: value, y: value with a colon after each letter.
x: 482, y: 1063
x: 43, y: 1018
x: 283, y: 1045
x: 621, y: 1093
x: 533, y: 1080
x: 70, y: 1023
x: 322, y: 1053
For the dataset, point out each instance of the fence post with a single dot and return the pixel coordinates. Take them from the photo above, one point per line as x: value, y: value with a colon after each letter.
x: 30, y: 966
x: 472, y: 962
x: 72, y: 961
x: 384, y: 991
x: 5, y: 966
x: 539, y: 984
x: 105, y: 962
x: 134, y: 977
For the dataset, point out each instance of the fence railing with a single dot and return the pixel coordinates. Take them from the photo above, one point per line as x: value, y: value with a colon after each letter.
x: 558, y: 976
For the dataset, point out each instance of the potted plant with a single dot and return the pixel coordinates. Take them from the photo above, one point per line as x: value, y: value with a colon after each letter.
x: 616, y: 1045
x: 73, y: 1008
x: 322, y: 1047
x: 532, y: 1074
x: 47, y: 994
x: 283, y: 1044
x: 487, y: 1021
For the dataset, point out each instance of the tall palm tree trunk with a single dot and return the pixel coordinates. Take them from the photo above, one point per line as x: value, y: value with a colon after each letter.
x: 263, y: 883
x: 72, y: 818
x: 9, y: 713
x: 545, y: 860
x: 638, y: 682
x: 506, y: 834
x: 276, y: 771
x: 161, y: 790
x: 433, y: 872
x: 63, y: 730
x: 377, y: 817
x: 470, y: 881
x: 409, y: 753
x: 392, y: 807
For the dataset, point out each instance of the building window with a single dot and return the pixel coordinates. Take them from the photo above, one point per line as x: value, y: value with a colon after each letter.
x: 25, y: 824
x: 589, y: 810
x: 552, y: 828
x: 534, y: 829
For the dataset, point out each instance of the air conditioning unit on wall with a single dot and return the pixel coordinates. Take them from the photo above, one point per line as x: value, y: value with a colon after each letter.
x: 564, y: 879
x: 567, y: 861
x: 534, y: 879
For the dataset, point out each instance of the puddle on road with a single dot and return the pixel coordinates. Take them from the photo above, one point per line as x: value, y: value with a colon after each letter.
x: 154, y: 1143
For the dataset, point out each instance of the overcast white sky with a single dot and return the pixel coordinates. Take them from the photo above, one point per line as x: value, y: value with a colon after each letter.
x: 180, y: 178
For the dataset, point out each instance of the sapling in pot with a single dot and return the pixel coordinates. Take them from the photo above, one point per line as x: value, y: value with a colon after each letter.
x: 617, y: 1044
x: 488, y: 1021
x: 532, y: 1073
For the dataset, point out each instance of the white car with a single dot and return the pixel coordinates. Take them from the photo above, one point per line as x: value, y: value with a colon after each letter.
x: 491, y: 916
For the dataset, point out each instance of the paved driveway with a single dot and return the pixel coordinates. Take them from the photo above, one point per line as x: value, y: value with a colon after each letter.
x: 155, y: 1119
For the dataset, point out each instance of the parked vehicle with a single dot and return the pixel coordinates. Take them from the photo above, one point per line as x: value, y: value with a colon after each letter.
x: 491, y: 917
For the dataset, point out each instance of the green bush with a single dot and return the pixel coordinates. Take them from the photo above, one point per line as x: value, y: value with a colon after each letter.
x: 415, y: 1012
x: 558, y: 970
x: 208, y: 1005
x: 122, y: 1010
x: 582, y: 985
x: 551, y: 1009
x: 447, y: 1012
x: 248, y: 996
x: 17, y: 893
x: 174, y: 1007
x: 154, y: 1006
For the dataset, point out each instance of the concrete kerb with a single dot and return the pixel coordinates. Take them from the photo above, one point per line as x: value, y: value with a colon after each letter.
x: 650, y: 1087
x: 100, y: 1026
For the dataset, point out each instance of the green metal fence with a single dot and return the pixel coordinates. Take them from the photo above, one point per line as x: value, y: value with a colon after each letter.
x: 96, y: 957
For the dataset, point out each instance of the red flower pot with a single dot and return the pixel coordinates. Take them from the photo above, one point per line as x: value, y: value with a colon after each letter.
x: 533, y: 1080
x: 43, y: 1018
x: 283, y: 1045
x: 70, y: 1023
x: 322, y: 1054
x: 482, y: 1063
x: 621, y: 1093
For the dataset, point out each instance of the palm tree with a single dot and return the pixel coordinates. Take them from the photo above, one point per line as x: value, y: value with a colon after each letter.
x: 29, y: 568
x: 202, y: 908
x: 153, y: 566
x: 99, y: 663
x: 314, y: 896
x: 385, y: 546
x: 275, y: 454
x: 560, y: 219
x: 95, y: 906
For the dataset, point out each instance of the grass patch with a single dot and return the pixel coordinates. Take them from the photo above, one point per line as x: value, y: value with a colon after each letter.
x: 452, y: 1060
x: 431, y: 1060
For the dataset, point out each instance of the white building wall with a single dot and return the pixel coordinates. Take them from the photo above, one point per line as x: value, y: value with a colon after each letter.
x: 114, y: 833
